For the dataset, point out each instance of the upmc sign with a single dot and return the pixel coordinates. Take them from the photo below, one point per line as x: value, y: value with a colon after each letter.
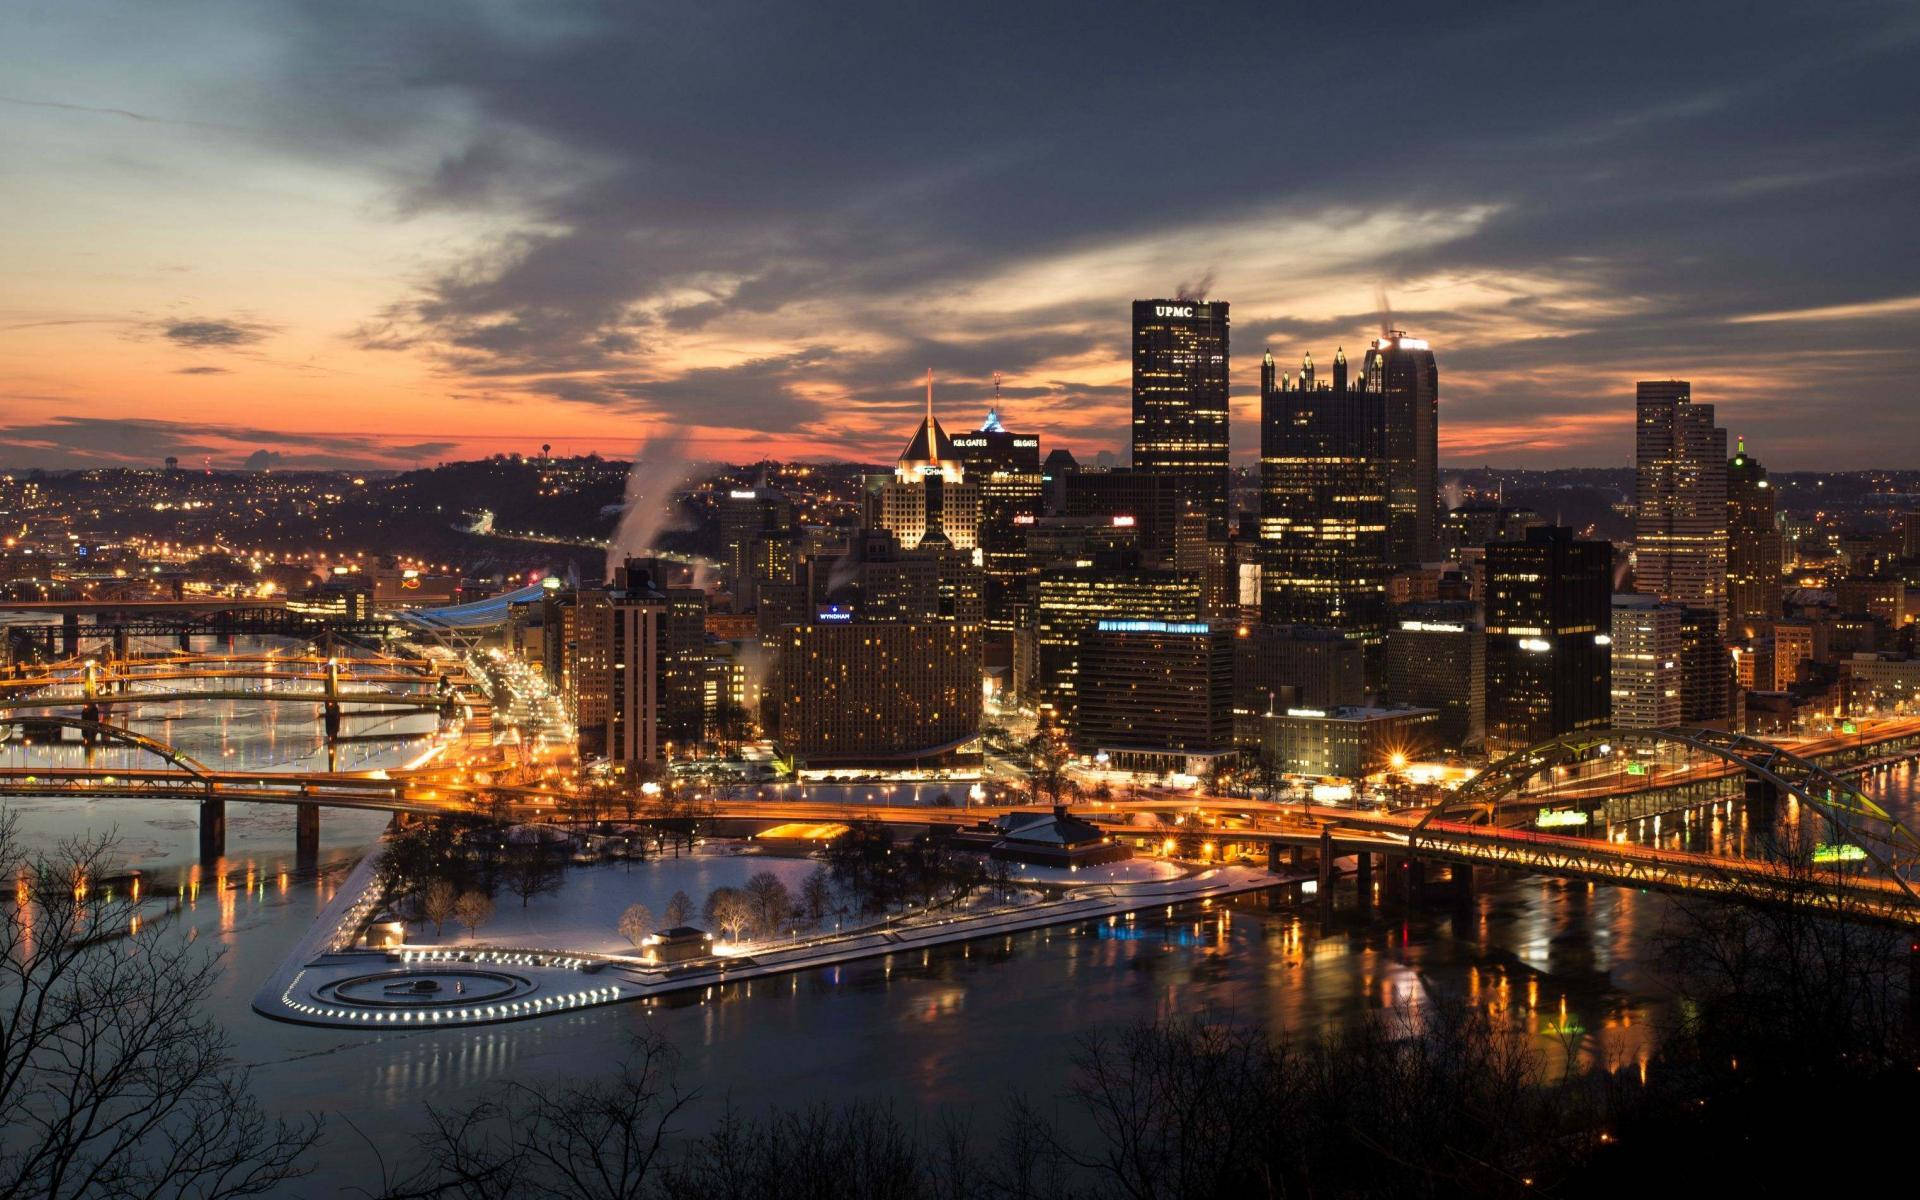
x: 1173, y: 310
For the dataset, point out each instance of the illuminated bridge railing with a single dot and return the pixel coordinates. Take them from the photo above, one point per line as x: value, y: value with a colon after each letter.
x: 1631, y: 865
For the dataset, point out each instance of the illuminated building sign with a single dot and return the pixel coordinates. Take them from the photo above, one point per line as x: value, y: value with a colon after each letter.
x: 1433, y: 627
x: 1183, y: 627
x: 743, y: 494
x: 1306, y: 712
x: 1173, y: 310
x: 1535, y: 645
x: 1122, y: 522
x: 1559, y: 818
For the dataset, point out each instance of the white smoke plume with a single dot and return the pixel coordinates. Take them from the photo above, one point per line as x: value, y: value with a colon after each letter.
x: 1197, y: 290
x: 661, y: 470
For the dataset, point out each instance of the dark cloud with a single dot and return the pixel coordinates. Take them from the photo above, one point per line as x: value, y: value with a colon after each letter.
x: 830, y: 203
x: 209, y: 334
x: 94, y: 441
x: 202, y: 371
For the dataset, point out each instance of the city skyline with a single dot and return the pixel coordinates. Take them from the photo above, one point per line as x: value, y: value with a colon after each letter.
x: 384, y: 238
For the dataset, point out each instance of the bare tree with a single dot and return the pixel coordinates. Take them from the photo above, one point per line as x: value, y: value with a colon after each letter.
x: 438, y: 903
x: 545, y: 1140
x: 679, y: 909
x: 113, y: 1080
x: 770, y: 903
x: 534, y: 868
x: 816, y: 893
x: 636, y: 924
x: 729, y: 911
x: 473, y: 910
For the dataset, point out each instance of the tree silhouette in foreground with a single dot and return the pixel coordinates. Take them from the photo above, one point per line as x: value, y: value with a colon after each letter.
x: 114, y: 1081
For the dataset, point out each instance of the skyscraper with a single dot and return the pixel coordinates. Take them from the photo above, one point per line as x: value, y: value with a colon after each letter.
x: 876, y: 692
x: 928, y: 500
x: 1646, y: 662
x: 1323, y: 500
x: 1680, y: 498
x: 1403, y: 371
x: 1155, y: 695
x: 1004, y: 467
x: 1753, y: 545
x: 1549, y: 629
x: 1180, y: 399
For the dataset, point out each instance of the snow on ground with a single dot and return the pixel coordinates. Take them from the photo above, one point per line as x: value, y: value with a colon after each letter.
x: 584, y: 915
x: 1127, y: 870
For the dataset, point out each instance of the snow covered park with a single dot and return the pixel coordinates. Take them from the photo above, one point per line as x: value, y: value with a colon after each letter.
x: 583, y: 916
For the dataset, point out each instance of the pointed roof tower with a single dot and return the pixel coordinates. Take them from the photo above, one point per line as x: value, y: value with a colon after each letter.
x: 930, y: 445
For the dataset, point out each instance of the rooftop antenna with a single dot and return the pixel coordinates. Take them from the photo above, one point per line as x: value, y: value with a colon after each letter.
x: 933, y: 439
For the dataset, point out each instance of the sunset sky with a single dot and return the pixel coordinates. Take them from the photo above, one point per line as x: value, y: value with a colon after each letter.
x: 394, y: 233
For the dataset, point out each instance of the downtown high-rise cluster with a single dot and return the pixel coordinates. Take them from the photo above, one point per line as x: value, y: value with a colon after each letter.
x: 1330, y: 616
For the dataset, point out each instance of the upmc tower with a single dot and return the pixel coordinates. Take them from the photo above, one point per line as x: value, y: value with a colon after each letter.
x: 1180, y: 400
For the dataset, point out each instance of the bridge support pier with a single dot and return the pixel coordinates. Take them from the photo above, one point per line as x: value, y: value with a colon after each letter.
x: 1416, y: 881
x: 1762, y: 801
x: 1363, y: 880
x: 306, y: 835
x: 1393, y: 889
x: 1326, y: 875
x: 213, y: 829
x: 332, y: 722
x: 70, y: 635
x: 186, y: 642
x: 1273, y: 858
x: 1463, y: 893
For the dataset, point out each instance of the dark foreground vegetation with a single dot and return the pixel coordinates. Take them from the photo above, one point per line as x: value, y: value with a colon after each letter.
x: 1787, y: 1063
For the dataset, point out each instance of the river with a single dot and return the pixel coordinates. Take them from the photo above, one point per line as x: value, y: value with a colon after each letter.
x: 957, y: 1027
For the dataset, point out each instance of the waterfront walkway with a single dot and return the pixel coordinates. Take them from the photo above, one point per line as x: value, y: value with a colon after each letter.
x: 323, y: 982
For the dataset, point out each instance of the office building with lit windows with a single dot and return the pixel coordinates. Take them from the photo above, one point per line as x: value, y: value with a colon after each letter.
x: 1285, y: 666
x: 1549, y: 622
x: 612, y: 676
x: 1004, y: 468
x: 756, y: 530
x: 1680, y: 497
x: 1155, y: 695
x: 1344, y: 743
x: 1323, y: 500
x: 1754, y: 547
x: 1646, y: 662
x: 1435, y: 657
x: 852, y: 692
x: 1070, y: 601
x: 1403, y: 372
x: 1180, y: 374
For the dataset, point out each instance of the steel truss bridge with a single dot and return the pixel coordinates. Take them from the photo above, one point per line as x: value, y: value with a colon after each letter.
x: 1761, y: 824
x: 380, y: 681
x: 119, y: 624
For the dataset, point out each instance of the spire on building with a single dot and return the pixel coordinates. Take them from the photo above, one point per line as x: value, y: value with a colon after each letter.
x: 931, y: 450
x: 992, y: 423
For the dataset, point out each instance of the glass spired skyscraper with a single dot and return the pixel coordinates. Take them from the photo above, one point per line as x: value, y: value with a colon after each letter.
x: 1180, y: 400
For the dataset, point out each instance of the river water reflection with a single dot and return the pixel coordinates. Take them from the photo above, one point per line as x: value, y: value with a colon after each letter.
x: 948, y: 1027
